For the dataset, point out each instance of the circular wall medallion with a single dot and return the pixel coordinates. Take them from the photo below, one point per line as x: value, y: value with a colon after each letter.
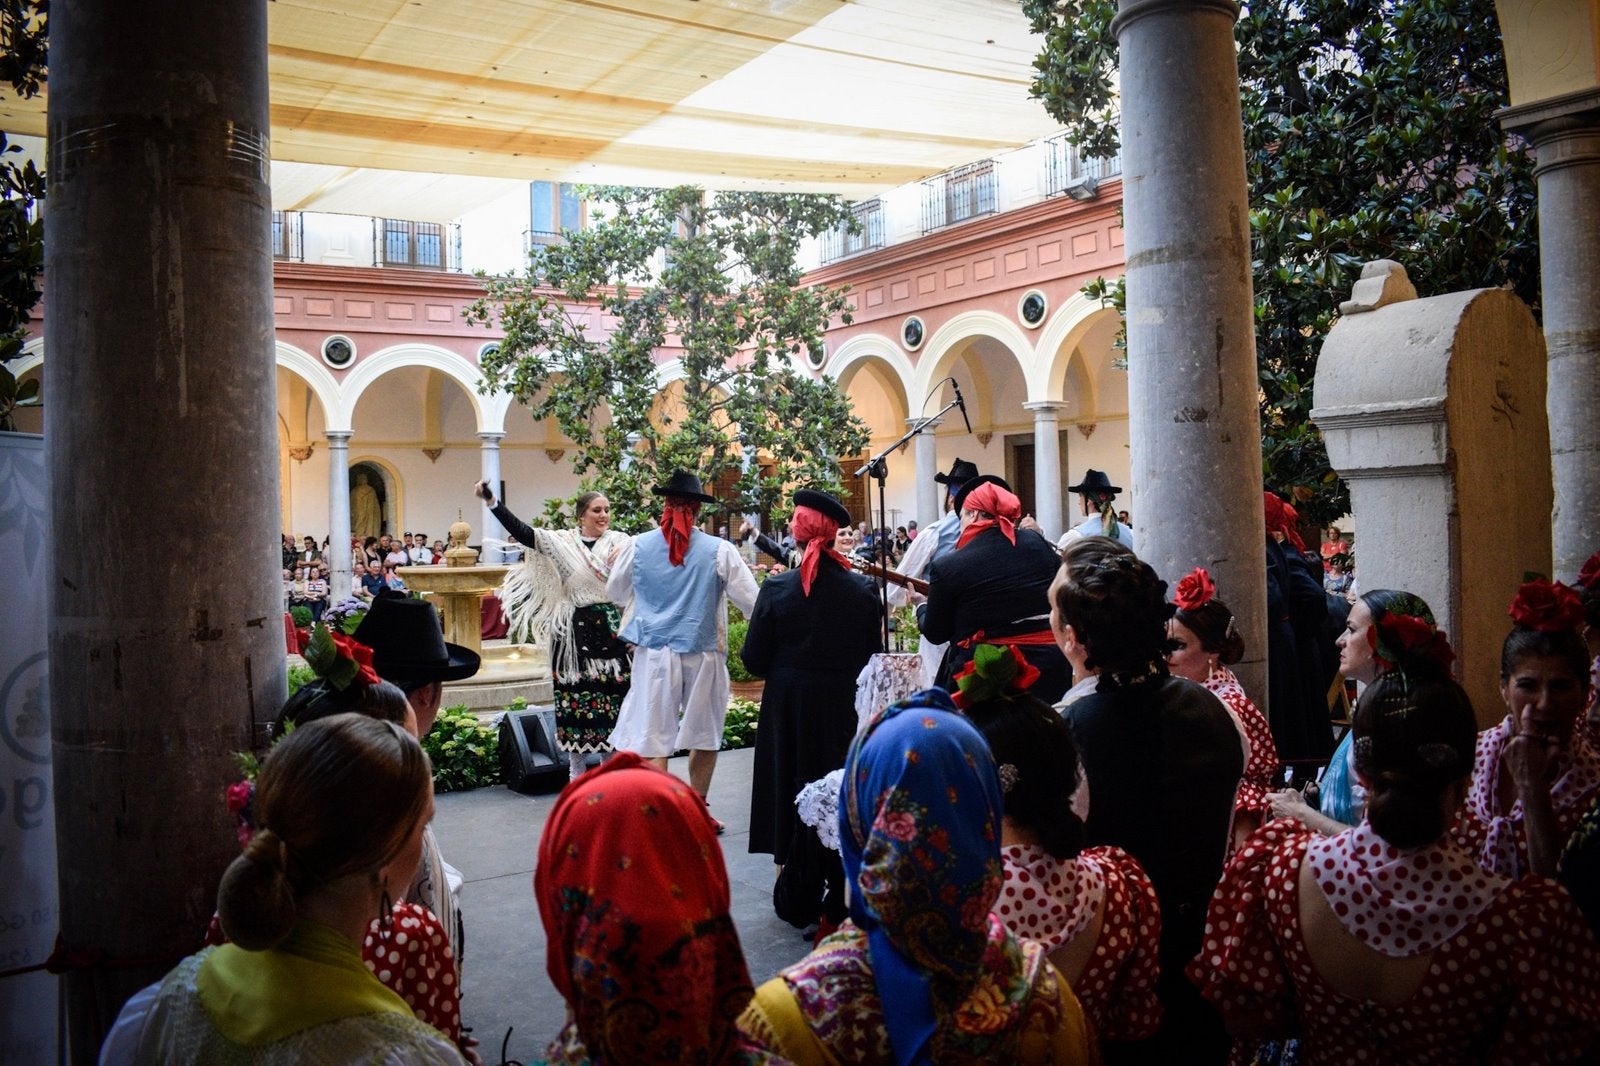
x: 338, y: 351
x: 492, y: 348
x: 1032, y: 308
x: 911, y: 333
x: 818, y: 356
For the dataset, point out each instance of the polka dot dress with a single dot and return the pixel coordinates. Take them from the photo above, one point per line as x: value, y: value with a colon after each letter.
x: 1400, y: 903
x: 413, y: 958
x: 1516, y: 983
x: 1261, y: 769
x: 1051, y: 901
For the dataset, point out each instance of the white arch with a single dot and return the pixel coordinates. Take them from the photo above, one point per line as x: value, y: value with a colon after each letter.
x: 496, y: 406
x: 668, y: 372
x: 31, y: 356
x: 853, y: 353
x: 427, y: 356
x: 319, y: 379
x: 937, y: 353
x: 1057, y: 341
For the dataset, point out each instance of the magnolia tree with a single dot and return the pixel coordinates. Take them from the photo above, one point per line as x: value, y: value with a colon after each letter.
x: 22, y: 67
x: 713, y: 278
x: 1369, y: 133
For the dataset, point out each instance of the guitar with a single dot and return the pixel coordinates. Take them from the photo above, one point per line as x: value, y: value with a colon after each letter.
x: 915, y: 584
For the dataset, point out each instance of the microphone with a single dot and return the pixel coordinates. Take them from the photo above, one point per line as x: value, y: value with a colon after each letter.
x: 962, y: 404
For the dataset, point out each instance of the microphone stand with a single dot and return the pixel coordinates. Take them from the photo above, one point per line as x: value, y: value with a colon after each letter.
x: 878, y: 468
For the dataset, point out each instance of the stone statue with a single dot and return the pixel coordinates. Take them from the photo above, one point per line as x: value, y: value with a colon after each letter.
x: 366, y: 513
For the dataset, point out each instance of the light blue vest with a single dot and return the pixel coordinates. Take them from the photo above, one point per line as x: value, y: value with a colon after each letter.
x: 677, y: 607
x: 948, y: 530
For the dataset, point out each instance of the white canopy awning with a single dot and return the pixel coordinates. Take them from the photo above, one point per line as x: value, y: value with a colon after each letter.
x: 847, y: 96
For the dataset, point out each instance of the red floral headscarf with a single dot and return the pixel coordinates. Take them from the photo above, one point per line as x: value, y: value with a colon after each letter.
x: 999, y: 507
x: 634, y: 896
x: 814, y: 531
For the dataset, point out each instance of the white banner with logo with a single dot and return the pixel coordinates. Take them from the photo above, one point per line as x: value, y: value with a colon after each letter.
x: 27, y: 812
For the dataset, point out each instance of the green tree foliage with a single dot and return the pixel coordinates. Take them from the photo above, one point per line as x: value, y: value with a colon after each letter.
x: 22, y: 67
x: 715, y: 273
x: 1369, y: 133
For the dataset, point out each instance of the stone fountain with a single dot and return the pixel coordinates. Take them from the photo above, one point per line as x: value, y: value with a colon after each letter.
x: 457, y: 588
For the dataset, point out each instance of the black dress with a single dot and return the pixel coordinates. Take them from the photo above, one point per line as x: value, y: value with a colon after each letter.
x: 810, y: 650
x: 1163, y: 762
x: 999, y: 589
x: 1297, y: 678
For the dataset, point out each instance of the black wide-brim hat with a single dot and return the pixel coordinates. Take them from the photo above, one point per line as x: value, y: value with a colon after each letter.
x: 981, y: 479
x: 960, y: 473
x: 682, y: 483
x: 821, y: 501
x: 1095, y: 481
x: 407, y: 642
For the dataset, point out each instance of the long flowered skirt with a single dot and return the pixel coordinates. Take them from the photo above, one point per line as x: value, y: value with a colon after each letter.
x: 586, y: 708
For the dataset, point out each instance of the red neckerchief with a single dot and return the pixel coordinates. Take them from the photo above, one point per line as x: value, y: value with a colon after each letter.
x: 816, y: 531
x: 998, y: 507
x: 677, y: 522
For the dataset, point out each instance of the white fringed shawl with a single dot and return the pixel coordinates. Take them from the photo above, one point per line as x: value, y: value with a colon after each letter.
x: 558, y: 575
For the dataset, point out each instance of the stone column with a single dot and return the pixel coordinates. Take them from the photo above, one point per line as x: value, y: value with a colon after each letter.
x: 1048, y: 506
x: 1193, y: 423
x: 339, y: 514
x: 160, y: 308
x: 488, y: 524
x: 1566, y: 136
x: 929, y: 492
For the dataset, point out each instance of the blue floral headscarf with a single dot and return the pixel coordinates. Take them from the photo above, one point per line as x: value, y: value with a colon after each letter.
x: 919, y: 832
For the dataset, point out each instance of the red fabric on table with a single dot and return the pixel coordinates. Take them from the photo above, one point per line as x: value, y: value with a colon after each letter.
x: 493, y: 623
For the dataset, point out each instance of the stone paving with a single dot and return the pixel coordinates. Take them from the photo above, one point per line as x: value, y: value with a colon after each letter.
x: 492, y: 836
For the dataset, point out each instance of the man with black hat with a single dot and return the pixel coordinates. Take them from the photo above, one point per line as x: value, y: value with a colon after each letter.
x: 813, y: 628
x: 674, y: 584
x: 933, y: 542
x: 993, y: 588
x: 409, y: 651
x: 1096, y: 491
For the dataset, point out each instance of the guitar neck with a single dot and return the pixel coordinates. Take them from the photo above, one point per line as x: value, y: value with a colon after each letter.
x: 873, y: 570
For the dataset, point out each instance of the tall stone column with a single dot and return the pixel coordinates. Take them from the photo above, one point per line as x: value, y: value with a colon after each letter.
x: 1193, y: 423
x: 1566, y: 137
x: 339, y: 514
x: 1047, y: 501
x: 160, y: 306
x: 927, y: 463
x: 488, y: 524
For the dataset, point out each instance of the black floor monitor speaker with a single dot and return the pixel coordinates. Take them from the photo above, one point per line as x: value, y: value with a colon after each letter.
x: 529, y: 759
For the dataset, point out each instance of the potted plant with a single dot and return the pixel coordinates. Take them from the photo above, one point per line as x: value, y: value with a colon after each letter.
x: 301, y: 615
x: 742, y: 682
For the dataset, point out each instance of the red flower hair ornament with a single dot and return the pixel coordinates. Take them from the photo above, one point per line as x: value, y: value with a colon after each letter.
x: 1548, y: 606
x: 1399, y: 637
x: 1589, y: 576
x: 995, y: 672
x: 339, y: 659
x: 1195, y: 590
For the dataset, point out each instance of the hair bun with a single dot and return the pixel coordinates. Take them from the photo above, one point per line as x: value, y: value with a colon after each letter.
x: 268, y: 849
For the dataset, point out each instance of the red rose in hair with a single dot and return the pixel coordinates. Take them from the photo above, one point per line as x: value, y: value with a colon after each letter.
x: 351, y: 648
x: 1589, y: 576
x: 1396, y: 635
x: 1548, y: 606
x: 1195, y: 590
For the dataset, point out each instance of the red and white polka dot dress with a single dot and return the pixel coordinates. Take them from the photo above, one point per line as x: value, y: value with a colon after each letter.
x: 1052, y: 900
x: 1517, y: 983
x: 415, y: 960
x: 1261, y: 770
x: 1490, y: 825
